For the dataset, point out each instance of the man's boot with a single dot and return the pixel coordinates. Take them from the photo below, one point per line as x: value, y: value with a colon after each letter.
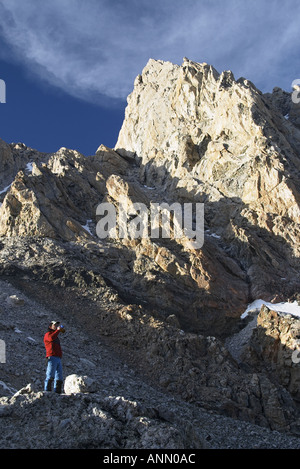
x: 58, y: 386
x: 49, y: 385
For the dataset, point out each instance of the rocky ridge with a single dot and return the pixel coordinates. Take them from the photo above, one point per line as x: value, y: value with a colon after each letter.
x: 106, y: 403
x: 209, y: 138
x: 168, y: 311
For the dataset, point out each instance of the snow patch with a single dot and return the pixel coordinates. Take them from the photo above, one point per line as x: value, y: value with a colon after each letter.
x: 212, y: 235
x: 31, y: 339
x: 29, y: 167
x: 87, y: 227
x: 284, y: 307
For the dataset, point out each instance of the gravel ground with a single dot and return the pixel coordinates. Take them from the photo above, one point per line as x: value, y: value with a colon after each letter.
x: 22, y: 328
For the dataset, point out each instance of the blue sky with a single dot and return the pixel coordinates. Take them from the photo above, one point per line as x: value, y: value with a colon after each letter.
x: 69, y: 65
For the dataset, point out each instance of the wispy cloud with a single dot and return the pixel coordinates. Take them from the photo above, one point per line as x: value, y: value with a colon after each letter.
x: 94, y: 49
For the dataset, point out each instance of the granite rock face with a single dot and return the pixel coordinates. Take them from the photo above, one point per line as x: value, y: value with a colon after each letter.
x: 206, y: 137
x: 190, y: 136
x: 274, y: 346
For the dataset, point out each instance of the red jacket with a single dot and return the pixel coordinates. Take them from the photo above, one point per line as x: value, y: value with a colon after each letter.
x: 52, y: 344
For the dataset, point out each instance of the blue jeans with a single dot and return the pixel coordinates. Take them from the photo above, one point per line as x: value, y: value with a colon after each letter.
x: 53, y: 372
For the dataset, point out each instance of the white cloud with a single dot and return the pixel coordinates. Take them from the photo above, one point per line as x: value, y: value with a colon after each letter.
x: 95, y: 48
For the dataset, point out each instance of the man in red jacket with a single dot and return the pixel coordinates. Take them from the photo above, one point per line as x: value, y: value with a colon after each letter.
x: 53, y: 354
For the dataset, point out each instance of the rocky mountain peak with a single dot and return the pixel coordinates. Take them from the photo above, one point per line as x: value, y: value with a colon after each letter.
x: 200, y: 128
x: 191, y: 135
x: 207, y: 137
